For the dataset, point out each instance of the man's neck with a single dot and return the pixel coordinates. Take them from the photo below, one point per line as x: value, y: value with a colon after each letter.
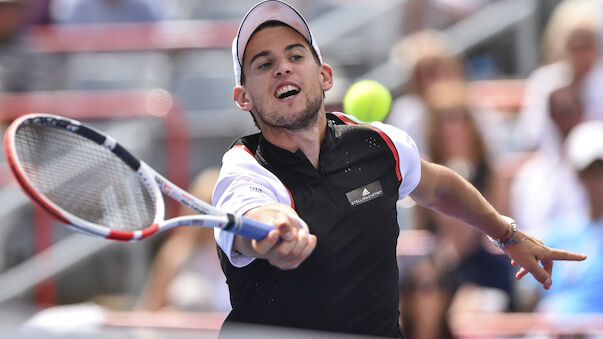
x: 307, y: 140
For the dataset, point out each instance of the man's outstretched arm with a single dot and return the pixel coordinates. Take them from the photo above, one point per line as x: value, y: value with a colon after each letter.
x: 447, y: 192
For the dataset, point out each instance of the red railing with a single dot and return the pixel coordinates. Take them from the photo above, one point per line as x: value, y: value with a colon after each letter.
x: 522, y: 324
x: 500, y: 95
x: 133, y: 36
x: 467, y: 325
x: 104, y: 105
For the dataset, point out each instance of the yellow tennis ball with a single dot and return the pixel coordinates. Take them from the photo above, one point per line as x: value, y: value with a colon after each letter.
x: 367, y: 100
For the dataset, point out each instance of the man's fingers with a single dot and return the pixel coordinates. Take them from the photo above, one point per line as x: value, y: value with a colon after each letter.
x: 302, y: 242
x: 309, y: 247
x: 302, y: 250
x: 540, y: 274
x: 555, y: 254
x: 531, y: 253
x: 284, y: 248
x: 264, y: 245
x: 521, y: 273
x: 547, y: 265
x: 289, y: 244
x: 283, y: 226
x: 290, y: 254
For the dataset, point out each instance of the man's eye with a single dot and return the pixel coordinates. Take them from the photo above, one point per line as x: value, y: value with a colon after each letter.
x: 265, y: 65
x: 296, y: 57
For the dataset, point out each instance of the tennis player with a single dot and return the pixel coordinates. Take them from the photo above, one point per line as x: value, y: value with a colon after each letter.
x: 329, y: 185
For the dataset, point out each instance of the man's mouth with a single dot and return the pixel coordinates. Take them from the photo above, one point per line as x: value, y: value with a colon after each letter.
x: 286, y: 91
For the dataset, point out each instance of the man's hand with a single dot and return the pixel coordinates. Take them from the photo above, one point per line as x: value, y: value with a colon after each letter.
x: 529, y: 253
x: 285, y: 247
x: 447, y: 192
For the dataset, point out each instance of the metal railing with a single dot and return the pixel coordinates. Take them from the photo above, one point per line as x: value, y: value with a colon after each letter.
x: 479, y: 28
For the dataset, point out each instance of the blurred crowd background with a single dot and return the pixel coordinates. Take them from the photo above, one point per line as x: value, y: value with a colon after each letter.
x: 489, y: 88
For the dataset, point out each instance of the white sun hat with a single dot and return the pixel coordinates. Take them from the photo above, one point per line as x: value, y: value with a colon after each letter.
x: 584, y: 144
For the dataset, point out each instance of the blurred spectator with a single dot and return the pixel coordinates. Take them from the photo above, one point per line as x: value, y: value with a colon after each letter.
x: 546, y: 186
x: 426, y: 54
x: 453, y: 137
x: 186, y: 273
x: 424, y: 301
x: 578, y: 289
x: 20, y: 69
x: 38, y: 13
x: 455, y: 141
x: 572, y: 56
x: 565, y: 110
x: 462, y: 267
x: 439, y: 14
x: 473, y: 268
x: 106, y: 11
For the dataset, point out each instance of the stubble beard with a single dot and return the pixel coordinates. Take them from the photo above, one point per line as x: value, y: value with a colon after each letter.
x: 297, y: 121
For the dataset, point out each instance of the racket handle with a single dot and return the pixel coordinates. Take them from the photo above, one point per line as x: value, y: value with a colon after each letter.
x: 253, y: 229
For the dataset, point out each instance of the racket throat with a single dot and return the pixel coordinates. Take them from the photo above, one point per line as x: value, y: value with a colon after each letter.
x: 234, y: 224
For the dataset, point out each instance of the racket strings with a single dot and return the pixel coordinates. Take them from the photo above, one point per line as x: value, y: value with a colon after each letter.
x: 83, y: 178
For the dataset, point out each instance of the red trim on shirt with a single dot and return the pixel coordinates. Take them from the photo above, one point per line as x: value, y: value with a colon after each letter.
x: 384, y: 136
x: 244, y: 148
x: 290, y: 197
x: 345, y: 119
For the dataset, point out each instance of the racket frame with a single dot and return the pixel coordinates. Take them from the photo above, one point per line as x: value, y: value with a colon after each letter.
x: 156, y: 184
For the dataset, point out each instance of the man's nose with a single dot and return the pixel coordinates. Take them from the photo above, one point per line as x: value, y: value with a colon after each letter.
x: 282, y: 68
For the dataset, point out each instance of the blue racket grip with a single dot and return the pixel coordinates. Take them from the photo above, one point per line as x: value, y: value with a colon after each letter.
x: 253, y: 229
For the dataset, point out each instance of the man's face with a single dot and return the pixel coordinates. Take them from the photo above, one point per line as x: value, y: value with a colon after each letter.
x: 283, y: 81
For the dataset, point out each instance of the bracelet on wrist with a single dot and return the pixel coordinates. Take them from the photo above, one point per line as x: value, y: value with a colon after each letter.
x: 511, y: 240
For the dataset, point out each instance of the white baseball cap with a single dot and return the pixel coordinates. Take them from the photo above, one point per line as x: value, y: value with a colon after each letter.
x: 584, y: 144
x: 271, y: 10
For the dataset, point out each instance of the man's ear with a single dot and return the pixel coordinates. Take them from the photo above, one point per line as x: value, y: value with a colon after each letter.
x: 326, y: 77
x: 242, y: 99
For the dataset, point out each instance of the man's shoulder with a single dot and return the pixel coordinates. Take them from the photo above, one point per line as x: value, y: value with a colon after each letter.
x: 250, y: 142
x: 338, y: 118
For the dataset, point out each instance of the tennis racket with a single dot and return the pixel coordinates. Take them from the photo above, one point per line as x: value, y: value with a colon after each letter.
x: 91, y: 183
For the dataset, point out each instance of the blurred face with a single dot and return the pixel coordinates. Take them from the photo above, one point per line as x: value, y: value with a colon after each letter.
x: 582, y: 50
x: 428, y: 300
x: 565, y: 110
x: 284, y: 84
x: 432, y: 70
x: 11, y: 16
x: 592, y: 179
x: 456, y: 133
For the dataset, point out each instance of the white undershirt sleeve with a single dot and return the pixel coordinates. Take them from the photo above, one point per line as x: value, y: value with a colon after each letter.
x: 409, y: 158
x: 244, y: 184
